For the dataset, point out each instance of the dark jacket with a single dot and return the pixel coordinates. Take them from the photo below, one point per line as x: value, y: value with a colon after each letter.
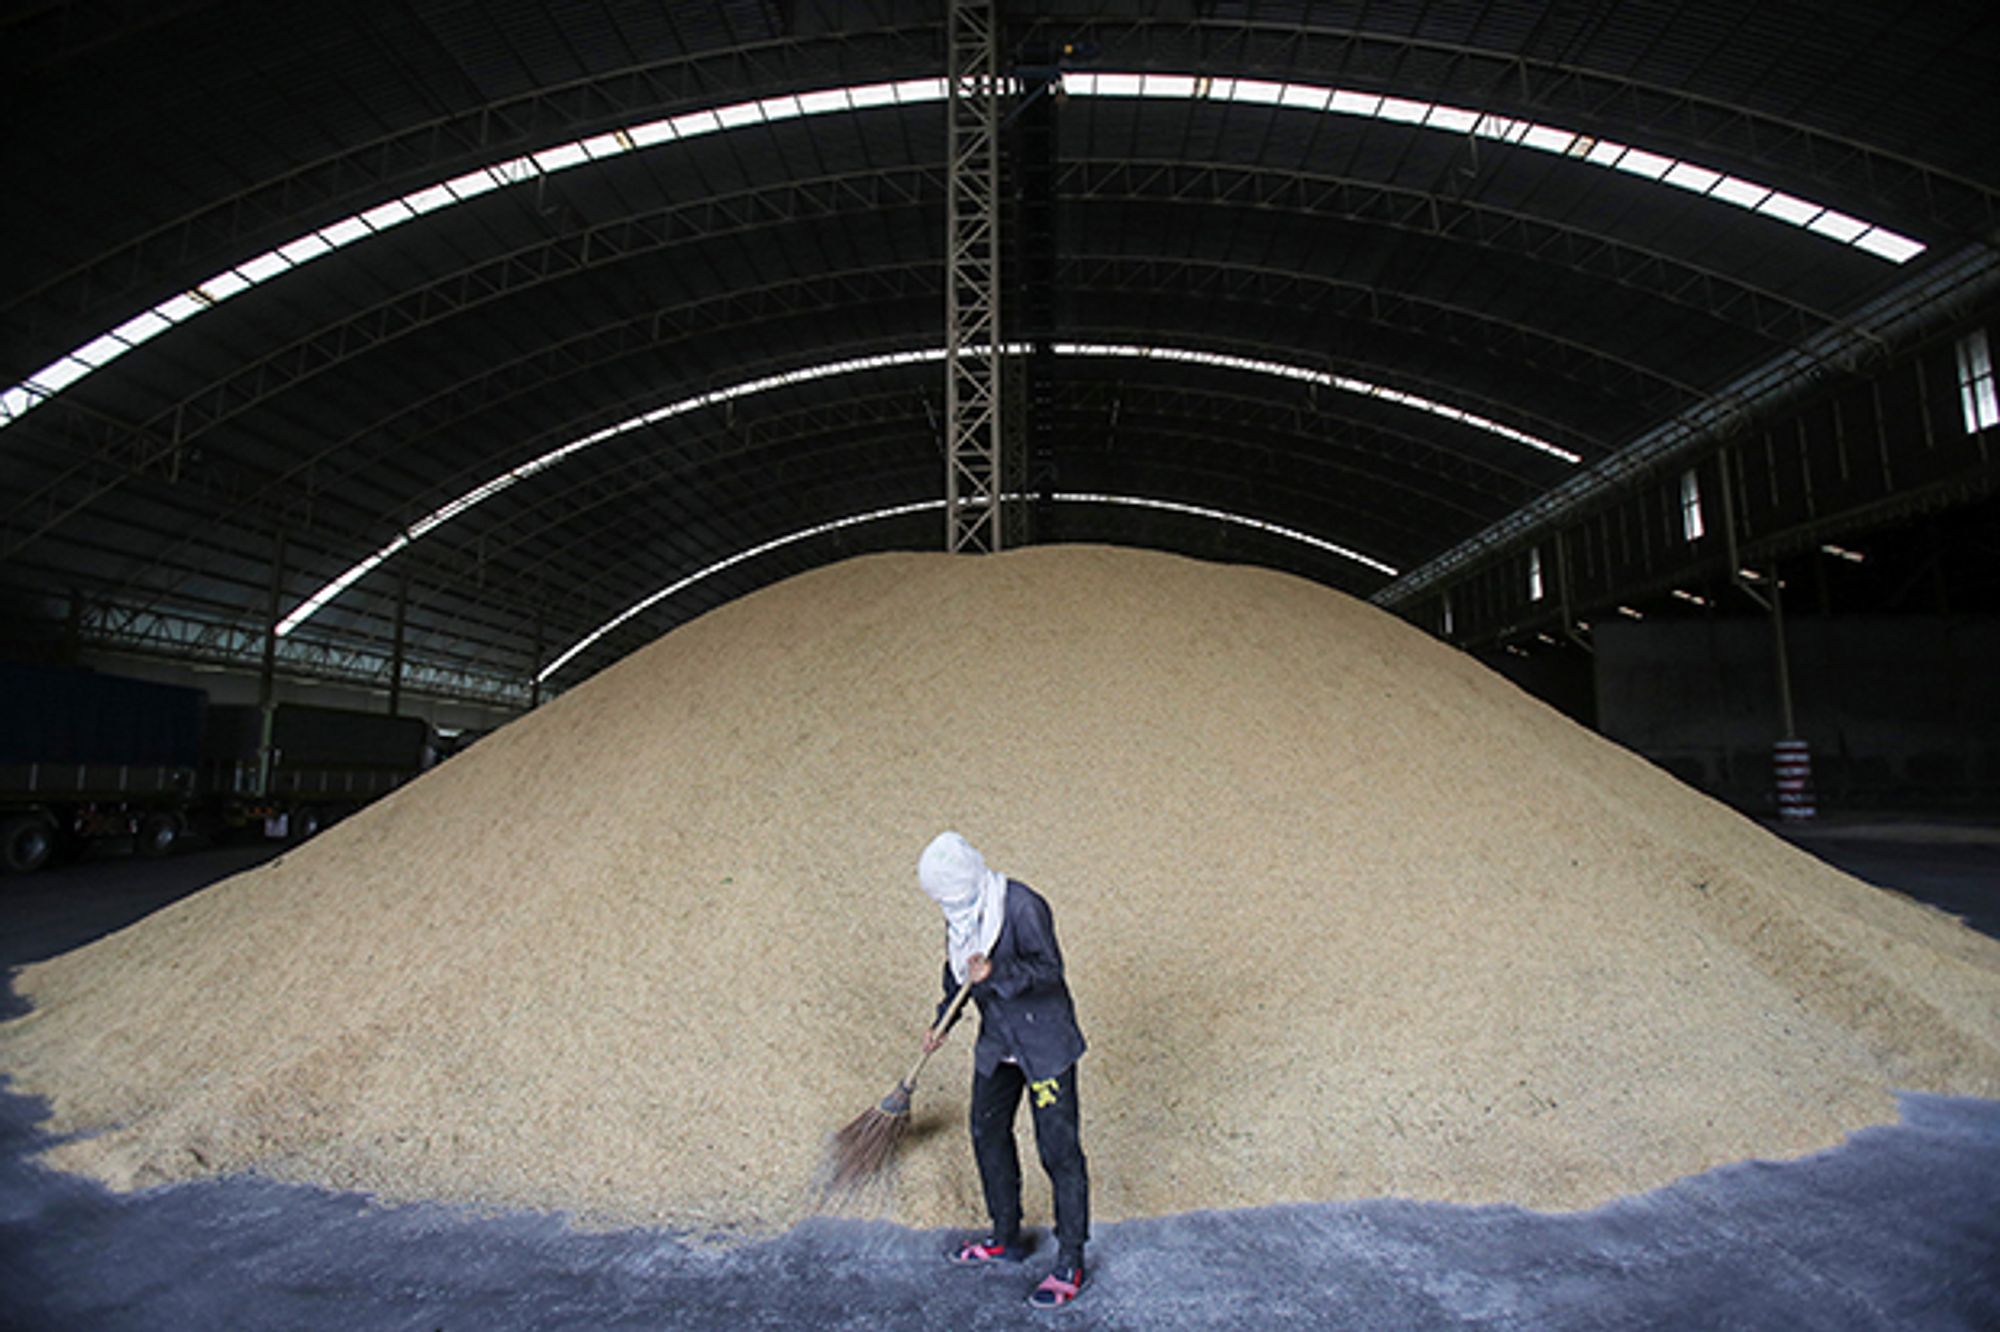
x: 1024, y: 1007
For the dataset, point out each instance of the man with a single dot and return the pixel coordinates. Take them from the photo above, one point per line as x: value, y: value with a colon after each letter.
x: 1000, y: 936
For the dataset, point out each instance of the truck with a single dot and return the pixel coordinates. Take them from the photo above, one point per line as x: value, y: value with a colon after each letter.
x: 87, y: 757
x: 323, y: 764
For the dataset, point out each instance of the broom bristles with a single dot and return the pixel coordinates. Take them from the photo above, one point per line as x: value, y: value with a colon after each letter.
x: 864, y: 1147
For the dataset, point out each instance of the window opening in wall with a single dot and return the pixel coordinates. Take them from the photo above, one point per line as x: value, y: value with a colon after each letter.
x: 1535, y: 574
x: 1691, y: 523
x: 1975, y: 383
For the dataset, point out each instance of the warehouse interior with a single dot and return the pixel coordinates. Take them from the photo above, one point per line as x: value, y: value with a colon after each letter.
x: 425, y: 361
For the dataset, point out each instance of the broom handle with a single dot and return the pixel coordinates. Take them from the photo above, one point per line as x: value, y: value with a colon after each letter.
x: 957, y: 1002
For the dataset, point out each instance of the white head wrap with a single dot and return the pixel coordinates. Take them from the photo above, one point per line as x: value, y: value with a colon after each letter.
x: 973, y: 897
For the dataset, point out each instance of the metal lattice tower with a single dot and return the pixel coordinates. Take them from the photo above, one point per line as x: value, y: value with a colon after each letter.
x: 974, y: 355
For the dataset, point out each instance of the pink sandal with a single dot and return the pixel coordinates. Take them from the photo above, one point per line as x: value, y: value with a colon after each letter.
x: 978, y: 1253
x: 1058, y: 1288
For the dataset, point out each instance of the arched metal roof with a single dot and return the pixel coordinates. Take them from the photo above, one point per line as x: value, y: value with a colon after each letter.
x: 1383, y: 243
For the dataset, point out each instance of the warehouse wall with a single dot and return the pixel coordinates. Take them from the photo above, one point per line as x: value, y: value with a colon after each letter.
x: 1901, y: 712
x: 1562, y: 679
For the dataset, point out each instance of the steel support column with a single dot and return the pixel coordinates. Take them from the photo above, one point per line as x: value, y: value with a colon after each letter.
x: 973, y: 352
x: 267, y: 668
x: 396, y: 645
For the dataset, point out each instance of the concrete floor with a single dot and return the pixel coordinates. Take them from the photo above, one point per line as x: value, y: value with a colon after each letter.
x: 1897, y: 1229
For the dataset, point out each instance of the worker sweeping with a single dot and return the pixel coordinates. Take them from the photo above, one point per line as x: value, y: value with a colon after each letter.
x: 1000, y: 936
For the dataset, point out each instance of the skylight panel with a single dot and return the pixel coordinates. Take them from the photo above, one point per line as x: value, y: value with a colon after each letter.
x: 264, y: 267
x: 752, y: 113
x: 1201, y: 511
x: 312, y: 605
x: 1837, y: 225
x: 872, y: 94
x: 600, y: 146
x: 1742, y: 193
x: 662, y: 131
x: 561, y: 156
x: 306, y: 248
x: 647, y: 603
x: 383, y: 216
x: 916, y: 91
x: 784, y: 107
x: 344, y: 232
x: 59, y: 375
x: 822, y: 101
x: 881, y: 360
x: 514, y: 170
x: 1344, y: 383
x: 221, y: 287
x: 140, y: 327
x: 1789, y: 208
x: 1639, y: 162
x: 99, y: 350
x: 1888, y: 245
x: 1976, y: 398
x: 1840, y: 227
x: 1255, y: 91
x: 1688, y: 176
x: 1453, y: 119
x: 176, y: 308
x: 429, y: 199
x: 697, y: 123
x: 1548, y: 139
x: 1693, y: 527
x: 472, y: 184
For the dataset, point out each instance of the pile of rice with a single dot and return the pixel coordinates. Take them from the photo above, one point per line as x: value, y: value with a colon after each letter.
x: 1345, y: 914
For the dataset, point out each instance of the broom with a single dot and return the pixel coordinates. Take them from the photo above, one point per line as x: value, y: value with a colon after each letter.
x: 864, y: 1147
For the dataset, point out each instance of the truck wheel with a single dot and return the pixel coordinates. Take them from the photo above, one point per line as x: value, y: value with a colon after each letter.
x: 305, y: 822
x: 157, y: 834
x: 26, y: 843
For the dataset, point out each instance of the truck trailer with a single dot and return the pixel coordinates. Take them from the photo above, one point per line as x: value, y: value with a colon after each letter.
x: 86, y: 757
x: 321, y: 764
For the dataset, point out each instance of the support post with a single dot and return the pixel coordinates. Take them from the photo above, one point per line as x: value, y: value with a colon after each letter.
x: 535, y: 673
x: 1784, y: 660
x: 974, y: 354
x: 396, y: 646
x: 267, y: 674
x: 1791, y: 757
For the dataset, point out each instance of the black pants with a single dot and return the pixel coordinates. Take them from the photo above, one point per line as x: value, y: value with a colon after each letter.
x: 995, y: 1101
